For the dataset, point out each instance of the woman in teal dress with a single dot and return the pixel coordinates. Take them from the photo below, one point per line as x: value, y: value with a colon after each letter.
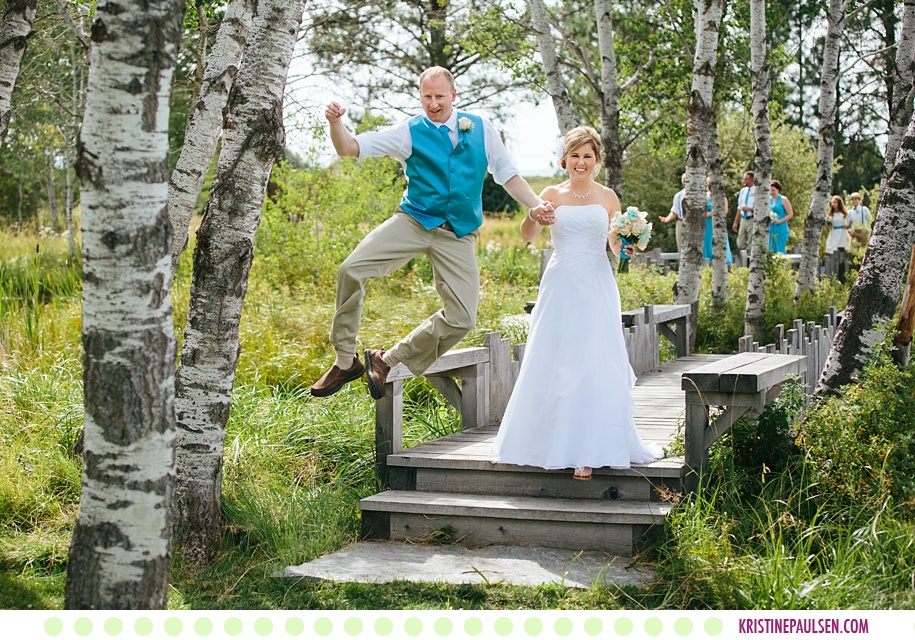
x: 780, y: 212
x: 707, y: 241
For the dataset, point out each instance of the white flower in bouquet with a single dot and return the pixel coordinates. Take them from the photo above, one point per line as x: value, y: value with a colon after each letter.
x: 773, y: 216
x: 632, y: 225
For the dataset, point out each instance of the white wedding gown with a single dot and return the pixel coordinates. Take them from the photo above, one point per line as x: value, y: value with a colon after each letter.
x: 572, y: 404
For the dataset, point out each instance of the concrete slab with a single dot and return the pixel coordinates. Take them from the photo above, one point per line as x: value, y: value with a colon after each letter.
x: 384, y: 561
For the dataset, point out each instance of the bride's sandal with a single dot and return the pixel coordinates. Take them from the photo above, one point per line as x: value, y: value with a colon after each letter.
x: 582, y: 473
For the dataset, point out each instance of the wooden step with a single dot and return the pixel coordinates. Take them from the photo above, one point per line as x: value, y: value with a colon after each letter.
x: 445, y: 475
x: 465, y: 460
x: 616, y: 526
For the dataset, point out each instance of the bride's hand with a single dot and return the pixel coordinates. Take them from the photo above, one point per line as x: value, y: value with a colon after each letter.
x: 629, y: 250
x: 543, y: 213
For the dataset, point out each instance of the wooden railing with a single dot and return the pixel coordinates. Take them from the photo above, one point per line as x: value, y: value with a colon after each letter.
x: 487, y: 374
x: 810, y: 340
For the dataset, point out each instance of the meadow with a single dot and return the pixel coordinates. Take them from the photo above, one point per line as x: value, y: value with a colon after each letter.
x: 806, y: 507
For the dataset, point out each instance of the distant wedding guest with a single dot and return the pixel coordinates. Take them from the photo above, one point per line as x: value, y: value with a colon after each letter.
x: 837, y: 218
x: 445, y: 154
x: 707, y: 240
x: 676, y: 212
x: 780, y: 212
x: 743, y: 220
x: 858, y: 214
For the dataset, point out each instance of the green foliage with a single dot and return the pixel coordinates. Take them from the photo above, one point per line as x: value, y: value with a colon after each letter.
x: 720, y: 331
x: 860, y: 444
x: 775, y: 525
x: 496, y: 201
x: 318, y: 216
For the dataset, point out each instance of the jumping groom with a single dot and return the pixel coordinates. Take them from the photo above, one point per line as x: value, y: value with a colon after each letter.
x: 445, y: 154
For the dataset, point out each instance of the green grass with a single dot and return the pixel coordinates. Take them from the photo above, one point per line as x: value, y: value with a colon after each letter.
x: 296, y: 467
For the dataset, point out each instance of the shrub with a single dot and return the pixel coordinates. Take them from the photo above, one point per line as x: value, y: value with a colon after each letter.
x: 316, y: 217
x: 859, y: 444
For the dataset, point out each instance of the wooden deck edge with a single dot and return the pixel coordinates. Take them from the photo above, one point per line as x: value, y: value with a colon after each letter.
x: 437, y: 504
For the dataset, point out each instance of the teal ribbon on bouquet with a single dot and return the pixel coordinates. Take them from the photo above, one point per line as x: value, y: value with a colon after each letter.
x: 624, y: 259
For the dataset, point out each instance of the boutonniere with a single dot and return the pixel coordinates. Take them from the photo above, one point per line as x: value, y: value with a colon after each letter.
x: 465, y: 124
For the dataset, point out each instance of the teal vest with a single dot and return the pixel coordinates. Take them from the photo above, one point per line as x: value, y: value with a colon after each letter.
x: 445, y: 184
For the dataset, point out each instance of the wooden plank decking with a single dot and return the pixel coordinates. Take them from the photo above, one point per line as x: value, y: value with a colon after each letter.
x: 659, y: 408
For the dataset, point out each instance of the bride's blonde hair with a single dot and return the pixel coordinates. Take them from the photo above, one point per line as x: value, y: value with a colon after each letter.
x: 577, y: 137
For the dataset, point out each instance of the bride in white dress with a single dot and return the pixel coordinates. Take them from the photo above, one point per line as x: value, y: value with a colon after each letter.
x: 572, y: 404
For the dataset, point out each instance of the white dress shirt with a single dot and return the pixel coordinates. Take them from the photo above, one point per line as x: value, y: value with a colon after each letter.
x: 746, y: 197
x: 395, y: 141
x: 860, y: 215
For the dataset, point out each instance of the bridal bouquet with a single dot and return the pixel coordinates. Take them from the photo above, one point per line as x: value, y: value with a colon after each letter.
x: 630, y: 227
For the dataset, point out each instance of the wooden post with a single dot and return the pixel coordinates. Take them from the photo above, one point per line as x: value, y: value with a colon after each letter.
x: 696, y: 422
x: 388, y: 426
x: 474, y: 396
x: 500, y: 374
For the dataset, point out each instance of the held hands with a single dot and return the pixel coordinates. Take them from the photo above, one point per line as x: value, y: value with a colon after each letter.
x: 334, y: 112
x: 543, y: 213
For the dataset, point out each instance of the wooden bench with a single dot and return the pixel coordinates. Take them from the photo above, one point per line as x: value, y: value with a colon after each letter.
x: 739, y: 383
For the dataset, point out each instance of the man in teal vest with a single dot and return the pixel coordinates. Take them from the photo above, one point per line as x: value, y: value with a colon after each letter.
x: 445, y: 154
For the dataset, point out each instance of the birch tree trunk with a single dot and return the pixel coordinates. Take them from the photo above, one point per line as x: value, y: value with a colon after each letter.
x: 719, y: 219
x: 903, y: 90
x: 52, y: 194
x: 708, y: 22
x: 120, y: 554
x: 754, y: 319
x: 562, y: 103
x: 873, y: 298
x: 15, y: 27
x: 205, y: 121
x: 253, y: 138
x: 610, y: 99
x: 822, y: 189
x: 902, y: 343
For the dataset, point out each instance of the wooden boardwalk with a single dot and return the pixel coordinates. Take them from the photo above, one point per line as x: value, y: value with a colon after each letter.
x: 659, y: 408
x: 455, y: 484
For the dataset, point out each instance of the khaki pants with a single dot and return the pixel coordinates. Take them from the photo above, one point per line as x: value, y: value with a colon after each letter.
x: 389, y: 247
x: 744, y: 231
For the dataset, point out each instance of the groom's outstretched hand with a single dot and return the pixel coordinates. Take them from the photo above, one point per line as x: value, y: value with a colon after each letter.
x: 334, y: 111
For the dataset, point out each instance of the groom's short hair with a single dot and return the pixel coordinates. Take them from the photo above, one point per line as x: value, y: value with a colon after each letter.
x: 433, y: 72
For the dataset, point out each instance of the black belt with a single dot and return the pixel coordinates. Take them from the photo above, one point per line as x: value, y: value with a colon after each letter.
x: 746, y: 215
x: 447, y: 225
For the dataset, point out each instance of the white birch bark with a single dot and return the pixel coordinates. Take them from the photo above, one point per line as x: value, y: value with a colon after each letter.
x: 562, y: 103
x: 903, y: 90
x: 205, y: 121
x: 708, y: 22
x: 253, y: 138
x: 610, y: 99
x: 822, y: 189
x: 52, y: 194
x: 874, y: 297
x: 15, y: 26
x: 120, y: 554
x: 719, y: 219
x: 754, y: 318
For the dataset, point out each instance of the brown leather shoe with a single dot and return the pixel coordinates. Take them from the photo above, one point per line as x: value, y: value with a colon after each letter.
x: 376, y: 371
x: 332, y: 381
